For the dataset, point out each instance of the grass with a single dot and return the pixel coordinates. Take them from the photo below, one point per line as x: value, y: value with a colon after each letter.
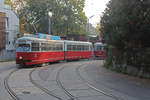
x: 8, y: 60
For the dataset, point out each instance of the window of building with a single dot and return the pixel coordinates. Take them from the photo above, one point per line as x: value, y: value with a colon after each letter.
x: 7, y: 39
x: 7, y: 22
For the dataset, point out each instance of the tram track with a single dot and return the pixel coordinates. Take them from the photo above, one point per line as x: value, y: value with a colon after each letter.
x: 8, y: 88
x: 14, y: 95
x: 67, y: 92
x: 93, y: 87
x: 41, y: 87
x: 72, y: 97
x: 51, y: 93
x: 59, y: 83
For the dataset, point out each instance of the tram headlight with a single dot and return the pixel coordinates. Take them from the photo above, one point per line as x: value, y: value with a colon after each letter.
x: 20, y: 57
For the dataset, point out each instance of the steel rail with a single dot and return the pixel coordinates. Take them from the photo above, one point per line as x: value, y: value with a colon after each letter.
x: 92, y: 87
x: 8, y: 88
x: 42, y: 88
x: 62, y: 87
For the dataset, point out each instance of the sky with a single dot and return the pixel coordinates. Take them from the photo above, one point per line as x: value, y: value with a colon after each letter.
x: 95, y: 7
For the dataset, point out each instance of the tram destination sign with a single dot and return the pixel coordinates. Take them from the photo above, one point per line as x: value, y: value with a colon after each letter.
x: 45, y: 36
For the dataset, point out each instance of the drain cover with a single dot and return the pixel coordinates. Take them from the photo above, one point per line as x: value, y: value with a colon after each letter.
x: 26, y: 92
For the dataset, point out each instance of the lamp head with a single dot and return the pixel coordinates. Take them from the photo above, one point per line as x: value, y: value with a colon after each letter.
x: 50, y: 14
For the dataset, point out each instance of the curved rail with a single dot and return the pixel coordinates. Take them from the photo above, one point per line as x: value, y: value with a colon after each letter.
x: 42, y: 88
x: 50, y: 92
x: 91, y: 86
x: 63, y: 88
x: 7, y: 87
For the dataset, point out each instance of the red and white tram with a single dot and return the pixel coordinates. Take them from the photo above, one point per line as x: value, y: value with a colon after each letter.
x: 99, y: 51
x: 32, y: 51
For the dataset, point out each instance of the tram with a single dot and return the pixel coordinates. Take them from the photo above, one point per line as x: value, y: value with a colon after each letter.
x: 34, y: 51
x: 99, y: 51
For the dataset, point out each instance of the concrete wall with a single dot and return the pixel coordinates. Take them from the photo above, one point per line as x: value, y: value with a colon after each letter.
x: 1, y: 5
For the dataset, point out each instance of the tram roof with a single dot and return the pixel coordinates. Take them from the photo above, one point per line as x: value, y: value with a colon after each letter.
x: 98, y: 43
x: 79, y: 42
x: 46, y: 40
x: 37, y: 39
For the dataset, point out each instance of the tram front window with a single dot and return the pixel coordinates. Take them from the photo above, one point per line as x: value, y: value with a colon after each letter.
x: 23, y: 48
x: 99, y: 48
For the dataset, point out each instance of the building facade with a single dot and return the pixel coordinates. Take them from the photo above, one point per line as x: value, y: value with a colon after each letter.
x: 2, y: 30
x: 9, y: 31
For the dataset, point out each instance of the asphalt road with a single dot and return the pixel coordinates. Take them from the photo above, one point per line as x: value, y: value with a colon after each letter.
x: 5, y: 69
x: 5, y: 66
x: 79, y: 80
x: 127, y: 87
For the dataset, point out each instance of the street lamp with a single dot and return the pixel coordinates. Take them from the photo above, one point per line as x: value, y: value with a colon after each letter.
x: 49, y: 22
x: 89, y: 26
x: 66, y: 19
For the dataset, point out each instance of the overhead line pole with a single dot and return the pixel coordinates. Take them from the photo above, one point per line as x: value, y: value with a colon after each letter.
x: 89, y: 26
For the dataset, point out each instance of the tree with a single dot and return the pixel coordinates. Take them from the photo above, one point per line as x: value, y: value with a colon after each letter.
x: 68, y: 16
x: 125, y: 25
x: 8, y: 2
x: 98, y: 27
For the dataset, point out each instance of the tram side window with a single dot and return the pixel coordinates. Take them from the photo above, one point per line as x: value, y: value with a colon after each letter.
x: 35, y: 46
x: 86, y: 47
x: 49, y: 47
x: 73, y: 48
x: 59, y: 47
x: 44, y: 46
x: 54, y: 47
x: 91, y: 48
x: 82, y: 47
x: 78, y: 48
x: 68, y: 47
